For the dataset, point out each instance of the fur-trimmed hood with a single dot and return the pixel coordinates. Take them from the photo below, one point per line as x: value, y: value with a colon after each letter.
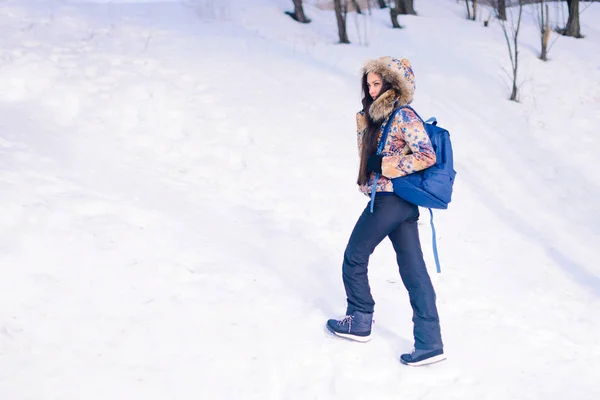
x: 399, y: 74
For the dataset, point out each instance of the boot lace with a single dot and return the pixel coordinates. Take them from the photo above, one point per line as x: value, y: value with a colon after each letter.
x: 346, y: 320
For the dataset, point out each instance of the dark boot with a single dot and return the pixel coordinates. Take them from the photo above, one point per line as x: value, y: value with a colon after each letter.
x: 420, y: 357
x: 355, y: 327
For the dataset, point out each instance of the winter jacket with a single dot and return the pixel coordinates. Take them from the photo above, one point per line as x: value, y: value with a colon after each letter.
x: 407, y: 148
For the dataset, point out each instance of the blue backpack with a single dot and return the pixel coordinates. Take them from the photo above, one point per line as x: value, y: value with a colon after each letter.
x: 431, y: 187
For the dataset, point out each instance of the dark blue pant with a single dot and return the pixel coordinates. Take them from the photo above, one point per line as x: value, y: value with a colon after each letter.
x: 396, y: 219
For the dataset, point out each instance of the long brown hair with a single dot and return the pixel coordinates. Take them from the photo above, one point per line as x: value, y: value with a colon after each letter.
x: 371, y: 133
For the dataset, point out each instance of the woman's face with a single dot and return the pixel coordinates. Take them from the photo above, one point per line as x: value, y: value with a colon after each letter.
x: 375, y: 83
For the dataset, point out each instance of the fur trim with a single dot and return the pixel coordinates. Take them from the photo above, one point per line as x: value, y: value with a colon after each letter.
x: 383, y: 106
x: 399, y: 74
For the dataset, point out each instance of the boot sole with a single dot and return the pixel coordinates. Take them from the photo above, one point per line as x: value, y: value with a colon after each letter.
x: 430, y: 360
x: 361, y: 339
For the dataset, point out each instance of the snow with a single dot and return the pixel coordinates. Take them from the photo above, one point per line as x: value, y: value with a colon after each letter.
x: 177, y: 185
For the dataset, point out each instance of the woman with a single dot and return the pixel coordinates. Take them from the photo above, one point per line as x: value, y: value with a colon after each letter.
x: 387, y: 84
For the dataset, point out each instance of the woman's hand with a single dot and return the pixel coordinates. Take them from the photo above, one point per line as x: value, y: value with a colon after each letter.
x: 374, y: 163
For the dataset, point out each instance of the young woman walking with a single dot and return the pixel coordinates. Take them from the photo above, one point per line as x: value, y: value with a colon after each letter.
x: 389, y: 83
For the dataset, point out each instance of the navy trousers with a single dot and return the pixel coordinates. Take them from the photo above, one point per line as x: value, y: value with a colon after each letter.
x: 396, y: 219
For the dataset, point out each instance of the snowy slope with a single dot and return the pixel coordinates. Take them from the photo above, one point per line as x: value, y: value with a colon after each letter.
x: 177, y: 185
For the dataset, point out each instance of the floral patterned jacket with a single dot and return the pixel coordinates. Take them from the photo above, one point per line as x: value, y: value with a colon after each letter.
x: 407, y: 149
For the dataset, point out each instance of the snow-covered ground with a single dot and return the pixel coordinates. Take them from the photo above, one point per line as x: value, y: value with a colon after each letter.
x: 177, y: 189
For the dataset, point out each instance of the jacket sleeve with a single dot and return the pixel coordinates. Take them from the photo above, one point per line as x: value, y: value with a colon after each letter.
x: 408, y: 127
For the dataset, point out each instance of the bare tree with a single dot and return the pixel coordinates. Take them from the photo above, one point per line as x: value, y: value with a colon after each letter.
x: 362, y: 22
x: 472, y: 16
x: 298, y: 13
x: 573, y: 28
x: 513, y: 49
x: 341, y: 12
x: 407, y: 7
x: 394, y: 12
x: 356, y: 6
x: 544, y: 25
x: 501, y: 7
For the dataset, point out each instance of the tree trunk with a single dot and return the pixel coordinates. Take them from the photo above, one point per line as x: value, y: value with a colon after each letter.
x: 515, y: 61
x: 544, y: 30
x: 381, y: 3
x: 474, y: 10
x: 502, y: 10
x: 341, y: 10
x: 514, y: 96
x: 356, y: 6
x: 513, y: 49
x: 468, y: 9
x: 394, y: 12
x: 298, y: 13
x: 573, y: 29
x: 407, y: 7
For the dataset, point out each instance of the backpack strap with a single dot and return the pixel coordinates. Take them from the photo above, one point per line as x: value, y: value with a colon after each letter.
x: 434, y: 241
x: 380, y: 149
